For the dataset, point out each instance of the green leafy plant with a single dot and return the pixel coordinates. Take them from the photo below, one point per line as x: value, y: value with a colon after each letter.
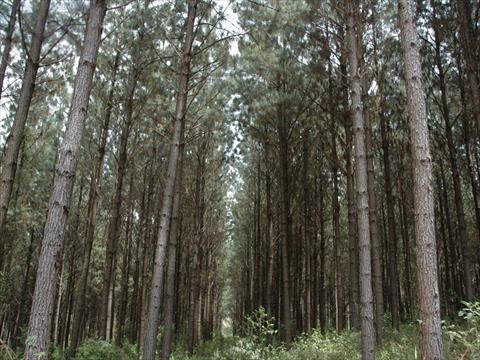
x: 468, y: 337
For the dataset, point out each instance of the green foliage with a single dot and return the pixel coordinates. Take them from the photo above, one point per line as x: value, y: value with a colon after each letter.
x: 466, y: 339
x: 259, y: 327
x: 93, y: 349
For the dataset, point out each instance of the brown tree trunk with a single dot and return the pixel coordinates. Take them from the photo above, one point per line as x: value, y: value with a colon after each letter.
x: 169, y: 190
x: 286, y: 226
x: 366, y: 295
x: 430, y: 322
x: 7, y: 44
x: 94, y: 192
x: 352, y: 223
x: 337, y: 262
x: 171, y: 265
x: 14, y: 139
x: 60, y: 198
x: 269, y: 231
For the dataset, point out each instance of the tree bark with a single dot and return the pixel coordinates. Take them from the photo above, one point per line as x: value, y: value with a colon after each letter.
x: 428, y: 294
x: 60, y: 198
x: 14, y: 140
x: 169, y: 191
x: 366, y: 295
x: 7, y: 44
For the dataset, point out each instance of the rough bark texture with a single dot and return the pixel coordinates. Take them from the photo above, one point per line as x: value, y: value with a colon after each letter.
x: 428, y: 295
x: 7, y: 44
x: 169, y: 191
x: 14, y: 140
x: 366, y: 295
x: 60, y: 198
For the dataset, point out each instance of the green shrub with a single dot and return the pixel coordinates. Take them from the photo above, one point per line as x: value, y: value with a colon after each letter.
x: 466, y: 338
x: 102, y: 350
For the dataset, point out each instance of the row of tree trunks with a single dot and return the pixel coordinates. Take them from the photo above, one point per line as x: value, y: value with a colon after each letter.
x: 173, y: 171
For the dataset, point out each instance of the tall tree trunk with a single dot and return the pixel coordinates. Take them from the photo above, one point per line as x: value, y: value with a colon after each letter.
x: 269, y: 230
x: 14, y: 140
x: 469, y: 47
x: 430, y: 322
x: 60, y: 198
x: 337, y: 263
x: 7, y: 44
x: 366, y: 295
x: 169, y: 191
x: 94, y: 192
x: 286, y: 226
x: 126, y: 260
x: 172, y: 265
x: 352, y: 222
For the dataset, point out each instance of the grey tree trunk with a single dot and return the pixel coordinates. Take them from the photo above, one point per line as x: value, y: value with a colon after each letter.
x: 60, y: 198
x: 426, y: 249
x: 14, y: 140
x: 169, y: 191
x: 366, y: 294
x: 7, y: 45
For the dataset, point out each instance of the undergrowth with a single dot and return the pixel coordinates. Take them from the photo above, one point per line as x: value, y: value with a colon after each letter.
x: 461, y: 341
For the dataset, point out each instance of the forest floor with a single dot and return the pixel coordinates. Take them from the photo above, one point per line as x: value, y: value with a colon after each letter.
x: 399, y: 345
x: 461, y: 340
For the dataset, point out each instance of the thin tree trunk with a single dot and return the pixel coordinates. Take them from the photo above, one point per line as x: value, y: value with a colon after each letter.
x: 60, y: 198
x: 286, y: 227
x: 366, y: 295
x: 14, y: 140
x: 166, y: 212
x: 428, y: 294
x: 171, y: 265
x: 126, y: 260
x: 352, y: 223
x: 7, y: 44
